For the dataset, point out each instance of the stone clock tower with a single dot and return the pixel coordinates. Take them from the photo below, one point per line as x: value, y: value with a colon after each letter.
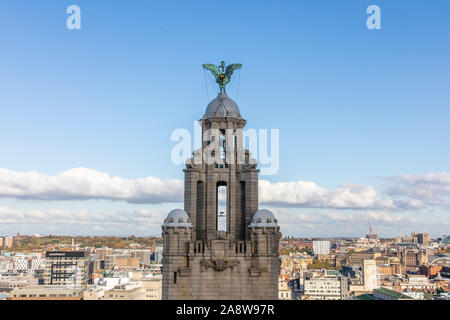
x: 239, y: 260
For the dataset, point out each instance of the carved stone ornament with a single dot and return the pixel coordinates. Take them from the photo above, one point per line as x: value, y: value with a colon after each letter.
x: 220, y: 235
x: 219, y: 264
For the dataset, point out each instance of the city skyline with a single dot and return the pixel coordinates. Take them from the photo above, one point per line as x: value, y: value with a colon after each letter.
x: 88, y: 114
x: 413, y: 267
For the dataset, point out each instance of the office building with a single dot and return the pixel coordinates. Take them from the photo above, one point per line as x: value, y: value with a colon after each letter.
x: 8, y: 242
x: 421, y: 238
x: 66, y: 268
x: 56, y: 292
x: 326, y: 288
x: 321, y: 247
x: 370, y: 275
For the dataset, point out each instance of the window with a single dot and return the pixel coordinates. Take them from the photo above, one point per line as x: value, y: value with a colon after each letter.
x: 222, y: 146
x: 174, y: 277
x: 222, y: 213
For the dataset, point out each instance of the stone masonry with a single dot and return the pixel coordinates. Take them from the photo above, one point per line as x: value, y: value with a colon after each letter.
x: 200, y: 262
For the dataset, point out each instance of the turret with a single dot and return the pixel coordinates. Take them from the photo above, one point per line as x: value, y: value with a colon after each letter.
x: 177, y: 230
x: 265, y: 232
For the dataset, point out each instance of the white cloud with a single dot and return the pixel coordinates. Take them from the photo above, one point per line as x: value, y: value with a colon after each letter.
x: 431, y: 189
x: 326, y: 222
x: 308, y: 194
x: 147, y: 222
x: 405, y: 192
x: 83, y: 183
x: 386, y: 210
x: 143, y: 218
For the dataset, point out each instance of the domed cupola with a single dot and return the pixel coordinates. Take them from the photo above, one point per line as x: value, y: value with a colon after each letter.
x: 222, y: 107
x: 264, y: 218
x: 177, y: 218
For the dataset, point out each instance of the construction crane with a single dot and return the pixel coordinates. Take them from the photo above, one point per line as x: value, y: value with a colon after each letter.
x: 371, y: 235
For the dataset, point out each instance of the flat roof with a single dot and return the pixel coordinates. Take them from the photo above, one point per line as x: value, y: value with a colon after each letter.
x: 366, y: 297
x: 39, y: 289
x: 392, y: 293
x: 65, y: 254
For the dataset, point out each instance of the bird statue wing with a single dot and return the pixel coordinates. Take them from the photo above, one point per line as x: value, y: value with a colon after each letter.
x: 231, y: 68
x: 213, y: 68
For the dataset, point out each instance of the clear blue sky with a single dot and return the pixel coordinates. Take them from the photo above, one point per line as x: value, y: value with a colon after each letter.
x: 352, y: 104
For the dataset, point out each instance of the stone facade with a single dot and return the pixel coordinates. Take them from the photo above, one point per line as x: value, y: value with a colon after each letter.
x: 199, y: 261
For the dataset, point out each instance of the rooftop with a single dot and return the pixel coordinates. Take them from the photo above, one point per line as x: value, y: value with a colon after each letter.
x: 222, y: 107
x: 392, y: 293
x: 365, y: 297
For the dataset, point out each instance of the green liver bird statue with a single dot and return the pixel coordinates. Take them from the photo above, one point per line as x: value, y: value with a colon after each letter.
x: 223, y: 76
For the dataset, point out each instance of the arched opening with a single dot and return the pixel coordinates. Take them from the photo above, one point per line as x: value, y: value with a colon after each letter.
x: 222, y: 146
x: 222, y: 151
x: 222, y: 212
x: 200, y: 212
